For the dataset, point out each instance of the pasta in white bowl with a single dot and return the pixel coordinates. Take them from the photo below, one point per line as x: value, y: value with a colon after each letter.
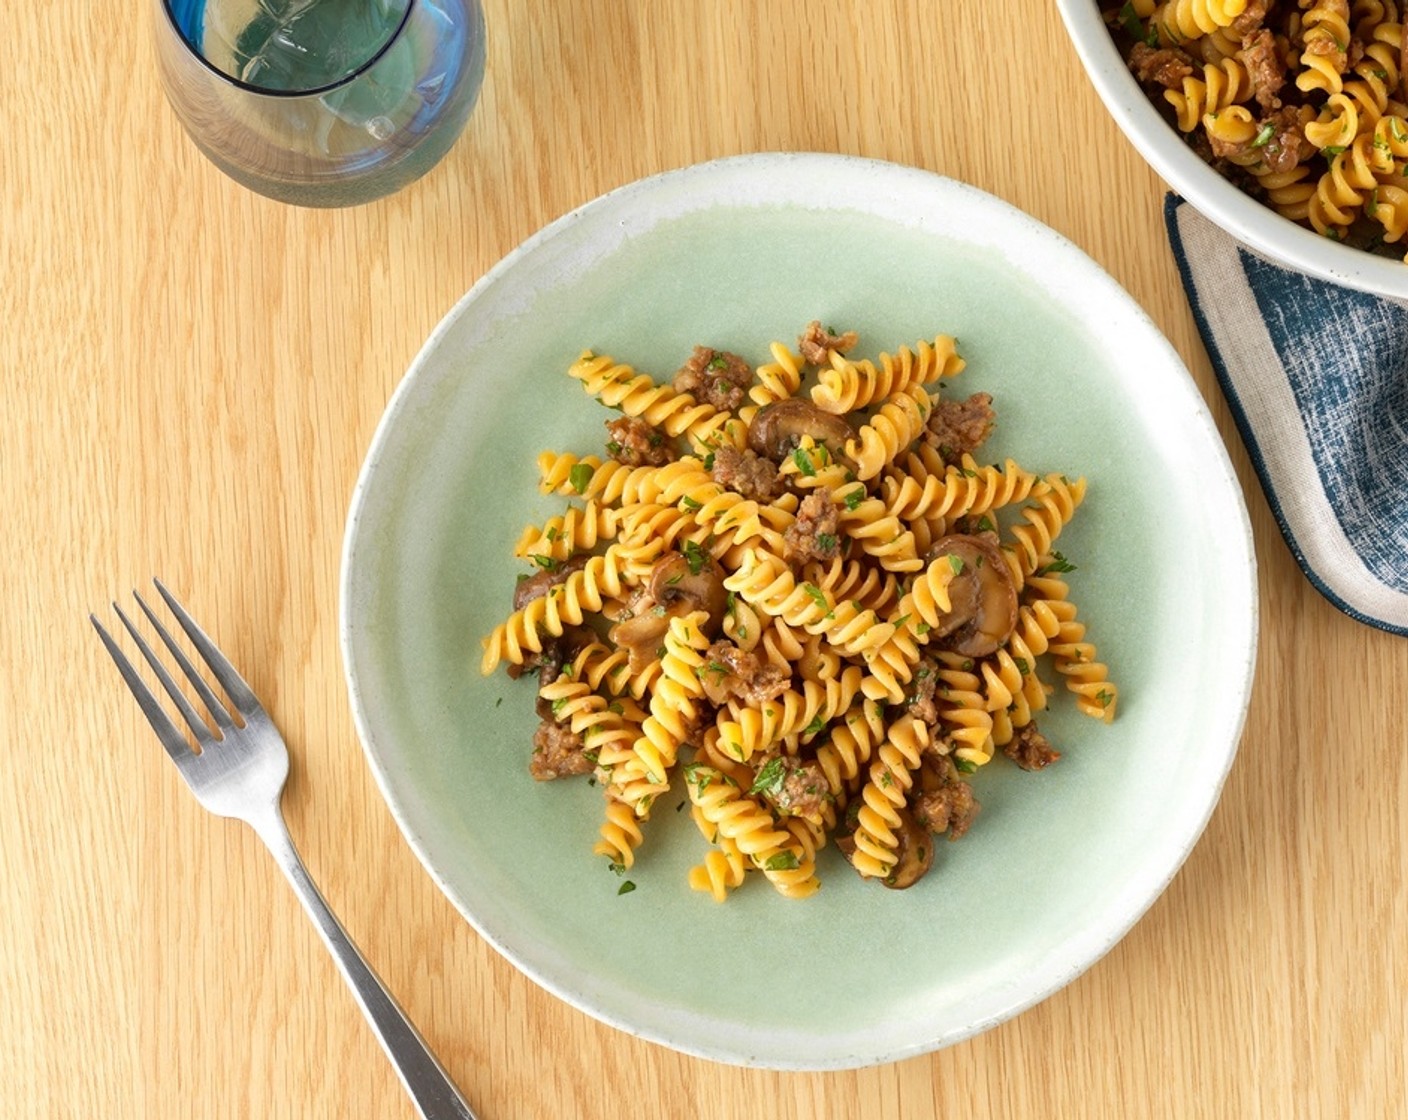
x: 1314, y: 155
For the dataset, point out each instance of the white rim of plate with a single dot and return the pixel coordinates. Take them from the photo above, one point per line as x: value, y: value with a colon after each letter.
x: 751, y: 179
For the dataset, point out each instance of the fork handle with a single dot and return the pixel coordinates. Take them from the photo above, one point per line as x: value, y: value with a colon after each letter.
x: 425, y: 1079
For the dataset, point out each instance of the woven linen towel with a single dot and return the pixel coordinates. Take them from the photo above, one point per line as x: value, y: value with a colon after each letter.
x: 1317, y: 379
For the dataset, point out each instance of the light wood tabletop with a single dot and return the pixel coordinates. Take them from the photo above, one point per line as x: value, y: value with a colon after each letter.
x: 192, y: 376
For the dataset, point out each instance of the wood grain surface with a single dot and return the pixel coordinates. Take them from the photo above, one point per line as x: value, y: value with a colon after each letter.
x: 192, y: 375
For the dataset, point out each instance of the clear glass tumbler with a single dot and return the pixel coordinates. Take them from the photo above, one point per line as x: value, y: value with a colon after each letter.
x: 322, y: 102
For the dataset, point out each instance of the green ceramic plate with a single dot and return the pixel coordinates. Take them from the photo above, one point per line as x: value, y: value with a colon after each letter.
x: 1061, y: 862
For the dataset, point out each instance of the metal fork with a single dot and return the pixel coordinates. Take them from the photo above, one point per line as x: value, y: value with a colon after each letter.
x: 239, y: 771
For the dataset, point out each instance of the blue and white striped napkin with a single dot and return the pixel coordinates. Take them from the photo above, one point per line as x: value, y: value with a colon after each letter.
x: 1317, y: 378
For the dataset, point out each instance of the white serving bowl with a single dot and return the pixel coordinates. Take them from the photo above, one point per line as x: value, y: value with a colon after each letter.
x: 1245, y: 218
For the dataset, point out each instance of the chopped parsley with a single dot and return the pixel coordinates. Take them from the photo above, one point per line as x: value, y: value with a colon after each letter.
x: 580, y: 477
x: 695, y: 557
x: 770, y: 778
x: 1130, y: 21
x: 1058, y: 565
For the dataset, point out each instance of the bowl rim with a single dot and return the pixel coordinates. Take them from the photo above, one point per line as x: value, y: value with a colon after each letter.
x: 1251, y: 222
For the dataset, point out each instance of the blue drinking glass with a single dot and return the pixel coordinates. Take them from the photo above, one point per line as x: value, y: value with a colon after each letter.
x: 322, y: 102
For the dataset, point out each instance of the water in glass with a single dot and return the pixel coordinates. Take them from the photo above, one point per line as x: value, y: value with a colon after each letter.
x: 325, y: 102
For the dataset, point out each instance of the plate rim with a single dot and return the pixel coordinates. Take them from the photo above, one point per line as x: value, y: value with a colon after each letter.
x: 1108, y: 936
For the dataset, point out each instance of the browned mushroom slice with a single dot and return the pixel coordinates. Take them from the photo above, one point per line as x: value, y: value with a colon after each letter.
x: 983, y: 597
x: 538, y: 584
x: 779, y: 428
x: 915, y: 851
x: 685, y: 583
x: 642, y: 635
x: 679, y: 584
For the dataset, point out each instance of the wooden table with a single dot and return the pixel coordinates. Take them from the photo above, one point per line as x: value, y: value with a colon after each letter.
x: 192, y: 375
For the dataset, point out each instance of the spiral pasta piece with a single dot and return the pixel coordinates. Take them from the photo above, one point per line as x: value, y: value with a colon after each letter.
x: 675, y: 698
x: 721, y: 511
x: 1390, y: 209
x: 565, y: 604
x: 1326, y: 37
x: 606, y: 669
x: 614, y: 484
x: 1036, y: 626
x: 849, y: 746
x: 965, y: 722
x: 898, y: 424
x: 1075, y: 657
x: 778, y: 379
x: 884, y: 794
x: 602, y: 724
x: 963, y: 490
x: 618, y: 385
x: 851, y: 385
x: 579, y: 529
x: 1223, y: 84
x: 791, y: 865
x: 1391, y: 135
x: 746, y: 730
x: 1234, y: 125
x: 620, y: 834
x: 1005, y: 681
x: 1376, y: 75
x: 734, y: 815
x: 767, y: 583
x: 855, y: 582
x: 892, y: 653
x: 723, y: 868
x: 1043, y: 518
x: 1343, y: 189
x: 1177, y: 21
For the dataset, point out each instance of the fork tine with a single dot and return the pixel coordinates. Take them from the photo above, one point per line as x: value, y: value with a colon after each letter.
x: 246, y: 703
x: 213, y: 703
x: 171, y: 738
x: 193, y: 718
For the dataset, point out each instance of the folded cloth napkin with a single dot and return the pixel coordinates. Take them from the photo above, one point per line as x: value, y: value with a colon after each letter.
x: 1317, y: 379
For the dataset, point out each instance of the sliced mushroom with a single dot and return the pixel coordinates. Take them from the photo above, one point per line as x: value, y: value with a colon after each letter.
x: 779, y: 428
x: 915, y: 850
x: 537, y: 585
x: 983, y: 597
x: 690, y: 583
x: 678, y: 585
x: 642, y: 634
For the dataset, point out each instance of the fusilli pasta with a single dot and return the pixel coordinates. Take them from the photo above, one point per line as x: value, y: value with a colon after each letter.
x: 1301, y: 104
x: 822, y: 620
